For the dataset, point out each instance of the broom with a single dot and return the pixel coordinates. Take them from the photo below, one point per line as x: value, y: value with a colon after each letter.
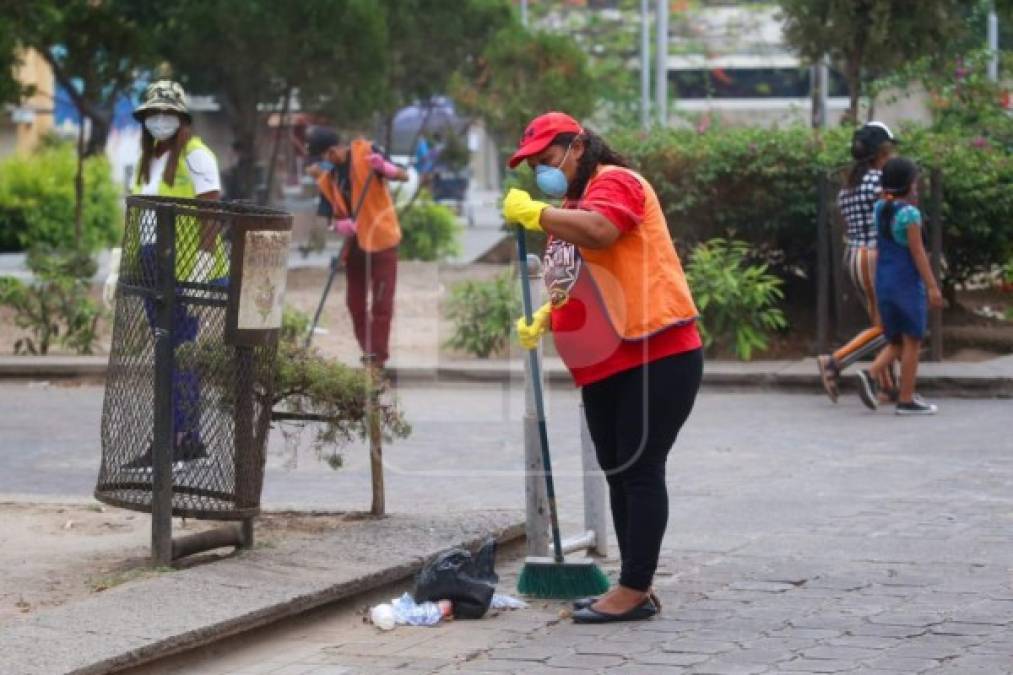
x: 554, y: 577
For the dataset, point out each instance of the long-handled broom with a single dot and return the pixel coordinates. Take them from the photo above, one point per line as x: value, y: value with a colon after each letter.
x: 553, y: 577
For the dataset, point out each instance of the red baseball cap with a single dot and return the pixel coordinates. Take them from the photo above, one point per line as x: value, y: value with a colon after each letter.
x: 540, y: 133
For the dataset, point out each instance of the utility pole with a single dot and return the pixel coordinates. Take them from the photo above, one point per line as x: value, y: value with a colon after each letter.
x: 524, y: 13
x: 993, y: 43
x: 645, y: 65
x: 661, y: 81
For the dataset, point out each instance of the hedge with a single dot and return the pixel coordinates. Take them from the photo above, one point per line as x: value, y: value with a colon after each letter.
x: 37, y: 201
x: 760, y: 185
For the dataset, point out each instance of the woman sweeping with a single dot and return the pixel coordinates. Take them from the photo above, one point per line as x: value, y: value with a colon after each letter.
x: 624, y: 323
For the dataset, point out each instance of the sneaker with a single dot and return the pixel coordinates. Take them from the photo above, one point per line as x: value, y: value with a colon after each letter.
x: 917, y: 406
x: 828, y: 375
x: 188, y: 450
x: 143, y: 462
x: 868, y: 389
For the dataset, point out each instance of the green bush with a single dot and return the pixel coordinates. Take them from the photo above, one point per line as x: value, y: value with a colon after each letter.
x: 760, y: 186
x: 430, y: 231
x: 756, y: 185
x: 737, y: 300
x: 484, y: 313
x: 977, y: 176
x: 56, y: 306
x: 37, y: 201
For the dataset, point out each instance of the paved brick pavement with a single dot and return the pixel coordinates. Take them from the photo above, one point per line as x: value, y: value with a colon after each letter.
x: 804, y: 538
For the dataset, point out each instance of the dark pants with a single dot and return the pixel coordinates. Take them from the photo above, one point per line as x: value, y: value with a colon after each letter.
x: 186, y: 384
x: 376, y: 274
x: 634, y: 418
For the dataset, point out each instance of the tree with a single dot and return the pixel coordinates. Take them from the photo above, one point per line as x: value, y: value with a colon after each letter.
x: 520, y: 75
x: 433, y: 39
x: 251, y: 53
x: 96, y: 49
x: 11, y: 91
x: 609, y: 34
x: 868, y: 38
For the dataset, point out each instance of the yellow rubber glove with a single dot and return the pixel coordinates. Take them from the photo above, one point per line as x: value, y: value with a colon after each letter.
x: 519, y: 207
x: 529, y: 334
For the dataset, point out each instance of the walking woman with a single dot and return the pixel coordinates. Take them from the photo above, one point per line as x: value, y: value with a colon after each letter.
x: 624, y: 323
x: 174, y: 162
x: 871, y: 147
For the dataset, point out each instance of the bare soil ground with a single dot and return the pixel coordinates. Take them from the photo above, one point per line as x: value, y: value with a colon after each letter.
x: 418, y: 331
x: 52, y: 554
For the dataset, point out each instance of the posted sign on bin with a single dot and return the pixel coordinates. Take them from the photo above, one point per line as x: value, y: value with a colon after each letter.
x: 262, y: 257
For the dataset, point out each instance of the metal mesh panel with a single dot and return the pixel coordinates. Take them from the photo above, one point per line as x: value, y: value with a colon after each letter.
x: 220, y: 402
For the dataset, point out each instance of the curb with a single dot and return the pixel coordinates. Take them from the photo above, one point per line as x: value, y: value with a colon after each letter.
x: 139, y: 623
x: 974, y: 380
x: 53, y: 367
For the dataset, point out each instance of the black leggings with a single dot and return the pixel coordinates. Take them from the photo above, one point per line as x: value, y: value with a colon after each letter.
x: 634, y: 417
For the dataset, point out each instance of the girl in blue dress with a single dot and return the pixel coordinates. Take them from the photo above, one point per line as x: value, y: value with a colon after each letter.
x: 905, y: 286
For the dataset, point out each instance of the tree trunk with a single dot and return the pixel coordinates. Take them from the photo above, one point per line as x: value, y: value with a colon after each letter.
x: 271, y: 167
x: 853, y: 75
x: 240, y: 109
x: 79, y: 187
x: 100, y: 125
x: 389, y: 131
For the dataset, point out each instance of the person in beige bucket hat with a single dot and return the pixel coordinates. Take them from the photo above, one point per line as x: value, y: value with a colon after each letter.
x: 175, y: 162
x: 163, y: 95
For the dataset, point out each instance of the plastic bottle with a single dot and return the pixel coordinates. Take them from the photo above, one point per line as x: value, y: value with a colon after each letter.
x: 407, y: 611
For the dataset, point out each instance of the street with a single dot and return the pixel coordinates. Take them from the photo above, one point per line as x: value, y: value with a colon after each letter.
x: 804, y: 537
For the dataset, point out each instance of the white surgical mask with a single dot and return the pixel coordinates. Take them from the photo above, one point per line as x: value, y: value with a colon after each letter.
x: 161, y: 125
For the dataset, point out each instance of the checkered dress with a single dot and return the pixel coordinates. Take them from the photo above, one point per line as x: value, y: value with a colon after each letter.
x: 856, y: 205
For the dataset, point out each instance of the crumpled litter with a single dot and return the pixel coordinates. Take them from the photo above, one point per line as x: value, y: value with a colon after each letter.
x: 500, y: 601
x: 404, y: 611
x: 454, y: 584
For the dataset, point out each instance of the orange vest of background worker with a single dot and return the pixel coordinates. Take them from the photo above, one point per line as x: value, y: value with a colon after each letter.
x: 353, y: 180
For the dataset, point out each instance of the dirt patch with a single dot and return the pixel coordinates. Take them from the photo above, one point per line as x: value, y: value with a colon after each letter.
x: 52, y: 554
x: 419, y: 329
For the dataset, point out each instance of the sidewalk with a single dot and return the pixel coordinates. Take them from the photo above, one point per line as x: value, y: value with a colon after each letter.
x: 139, y: 622
x: 985, y: 379
x: 803, y: 537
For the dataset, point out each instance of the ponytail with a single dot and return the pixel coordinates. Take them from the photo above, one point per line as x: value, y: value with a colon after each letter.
x: 596, y: 153
x: 884, y: 222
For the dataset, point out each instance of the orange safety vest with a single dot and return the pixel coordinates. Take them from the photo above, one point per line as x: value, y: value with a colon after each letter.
x: 639, y: 277
x: 378, y: 228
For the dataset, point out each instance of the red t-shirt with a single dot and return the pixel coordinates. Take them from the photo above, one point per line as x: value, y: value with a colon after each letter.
x: 585, y: 337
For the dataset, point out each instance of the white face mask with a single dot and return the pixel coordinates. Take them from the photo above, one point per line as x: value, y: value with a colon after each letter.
x: 161, y: 125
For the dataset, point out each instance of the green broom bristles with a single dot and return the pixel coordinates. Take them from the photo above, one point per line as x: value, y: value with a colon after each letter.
x: 568, y: 580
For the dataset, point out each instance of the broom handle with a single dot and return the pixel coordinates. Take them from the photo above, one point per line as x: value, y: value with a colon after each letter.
x: 536, y: 385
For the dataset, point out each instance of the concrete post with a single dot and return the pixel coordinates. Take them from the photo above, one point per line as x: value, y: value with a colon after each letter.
x: 993, y: 43
x: 645, y: 65
x: 536, y: 502
x: 661, y: 82
x: 596, y: 510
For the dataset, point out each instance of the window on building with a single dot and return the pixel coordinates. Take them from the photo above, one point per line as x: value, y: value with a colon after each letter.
x: 749, y: 83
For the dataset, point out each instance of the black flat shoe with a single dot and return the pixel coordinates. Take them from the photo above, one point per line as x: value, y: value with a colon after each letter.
x: 587, y: 602
x: 645, y: 610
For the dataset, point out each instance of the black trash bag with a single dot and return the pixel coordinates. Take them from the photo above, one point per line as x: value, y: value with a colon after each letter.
x: 467, y: 581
